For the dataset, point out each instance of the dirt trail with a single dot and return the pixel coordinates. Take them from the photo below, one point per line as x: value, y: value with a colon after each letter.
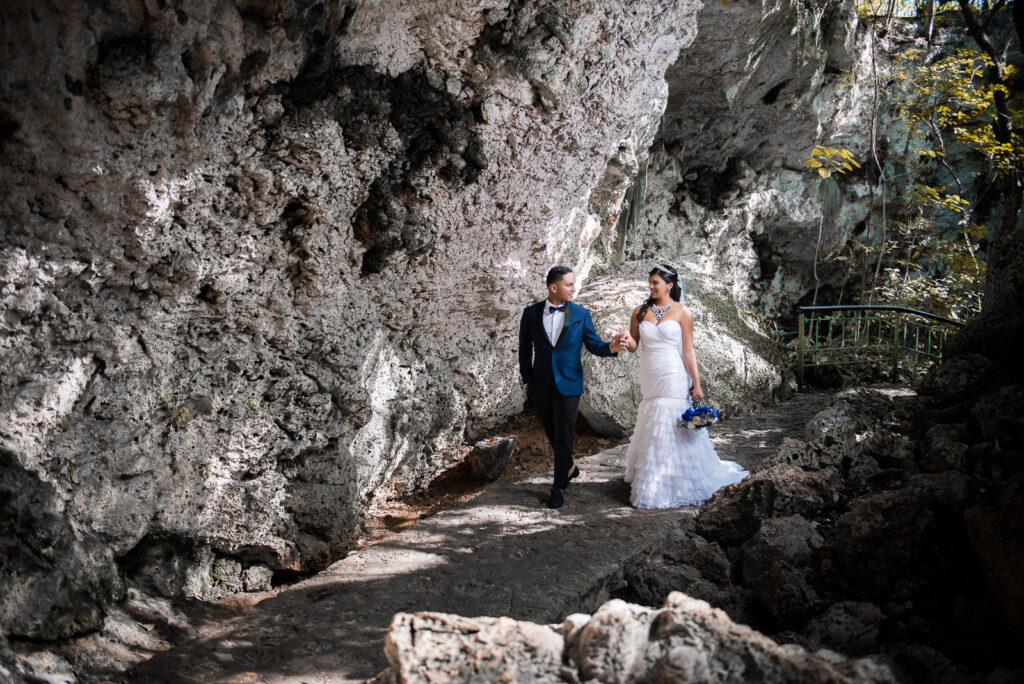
x: 501, y: 553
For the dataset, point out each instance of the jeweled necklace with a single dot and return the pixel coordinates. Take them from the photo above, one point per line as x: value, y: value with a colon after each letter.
x: 659, y: 311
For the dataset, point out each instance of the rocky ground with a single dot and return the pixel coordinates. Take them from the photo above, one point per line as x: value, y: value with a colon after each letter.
x: 851, y: 553
x: 500, y: 552
x: 857, y: 540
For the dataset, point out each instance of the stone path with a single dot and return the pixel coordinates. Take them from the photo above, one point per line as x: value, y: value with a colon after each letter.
x: 504, y: 553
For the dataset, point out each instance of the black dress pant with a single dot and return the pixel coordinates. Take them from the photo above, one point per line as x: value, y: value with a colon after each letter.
x: 557, y: 414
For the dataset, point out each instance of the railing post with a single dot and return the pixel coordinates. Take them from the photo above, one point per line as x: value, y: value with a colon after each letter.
x: 895, y: 345
x: 800, y: 352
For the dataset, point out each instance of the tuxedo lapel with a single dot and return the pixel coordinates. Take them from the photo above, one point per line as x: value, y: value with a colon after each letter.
x: 565, y: 322
x: 540, y: 322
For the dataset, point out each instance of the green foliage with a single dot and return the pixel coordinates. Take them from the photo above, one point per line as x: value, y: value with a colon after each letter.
x: 935, y: 273
x: 778, y: 336
x: 962, y: 123
x: 829, y: 160
x: 950, y: 93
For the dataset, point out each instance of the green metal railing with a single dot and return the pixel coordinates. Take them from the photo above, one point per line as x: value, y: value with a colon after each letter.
x: 846, y: 335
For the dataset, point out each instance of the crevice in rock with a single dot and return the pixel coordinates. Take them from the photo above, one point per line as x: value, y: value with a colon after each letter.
x: 712, y: 188
x: 8, y: 127
x: 773, y: 94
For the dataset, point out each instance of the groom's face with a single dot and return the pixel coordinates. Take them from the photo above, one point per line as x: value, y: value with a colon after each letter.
x: 564, y: 290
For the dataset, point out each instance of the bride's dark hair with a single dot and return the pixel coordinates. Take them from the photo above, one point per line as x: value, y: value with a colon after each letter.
x: 670, y: 276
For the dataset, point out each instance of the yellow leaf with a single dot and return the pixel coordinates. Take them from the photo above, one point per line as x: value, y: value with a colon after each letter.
x: 814, y: 163
x: 824, y: 173
x: 847, y: 166
x: 818, y: 152
x: 854, y: 162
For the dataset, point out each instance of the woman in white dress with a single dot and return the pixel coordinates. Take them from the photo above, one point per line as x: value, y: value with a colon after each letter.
x: 667, y: 465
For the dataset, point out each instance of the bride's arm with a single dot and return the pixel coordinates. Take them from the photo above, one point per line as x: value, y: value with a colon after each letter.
x: 634, y: 331
x: 689, y: 355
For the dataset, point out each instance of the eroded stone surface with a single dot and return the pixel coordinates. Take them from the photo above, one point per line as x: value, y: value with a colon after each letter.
x: 263, y: 262
x: 686, y: 640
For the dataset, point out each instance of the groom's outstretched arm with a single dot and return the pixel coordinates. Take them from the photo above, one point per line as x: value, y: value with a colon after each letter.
x: 595, y: 345
x: 525, y: 350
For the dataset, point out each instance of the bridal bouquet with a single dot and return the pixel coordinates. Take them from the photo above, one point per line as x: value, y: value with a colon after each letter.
x: 699, y: 416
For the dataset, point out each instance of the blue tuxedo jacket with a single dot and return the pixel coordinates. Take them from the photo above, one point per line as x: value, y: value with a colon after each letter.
x: 541, y: 363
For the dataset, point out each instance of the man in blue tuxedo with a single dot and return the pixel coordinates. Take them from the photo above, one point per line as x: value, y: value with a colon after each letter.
x: 551, y: 335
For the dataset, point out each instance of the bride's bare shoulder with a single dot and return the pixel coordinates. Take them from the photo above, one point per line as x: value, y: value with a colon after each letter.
x: 684, y: 313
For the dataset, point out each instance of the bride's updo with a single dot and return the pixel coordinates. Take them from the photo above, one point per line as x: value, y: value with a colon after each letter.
x: 670, y: 276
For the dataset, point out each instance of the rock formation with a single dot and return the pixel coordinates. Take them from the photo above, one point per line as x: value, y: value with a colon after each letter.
x: 263, y: 261
x: 686, y: 640
x: 727, y: 188
x: 840, y: 543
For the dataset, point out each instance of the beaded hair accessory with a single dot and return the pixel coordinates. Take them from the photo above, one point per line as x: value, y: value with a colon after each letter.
x: 660, y: 266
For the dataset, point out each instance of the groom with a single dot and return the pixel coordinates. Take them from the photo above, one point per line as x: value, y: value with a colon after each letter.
x: 551, y: 335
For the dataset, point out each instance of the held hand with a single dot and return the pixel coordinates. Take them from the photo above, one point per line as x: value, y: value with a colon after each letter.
x: 621, y: 342
x: 697, y: 393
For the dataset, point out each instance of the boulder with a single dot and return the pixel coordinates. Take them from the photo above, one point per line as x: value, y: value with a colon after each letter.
x: 996, y: 532
x: 882, y: 541
x: 489, y: 457
x: 430, y: 647
x: 735, y: 513
x: 849, y: 627
x: 778, y: 564
x: 686, y: 640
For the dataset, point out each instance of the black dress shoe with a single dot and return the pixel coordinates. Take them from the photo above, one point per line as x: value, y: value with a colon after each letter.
x: 556, y: 498
x: 575, y: 474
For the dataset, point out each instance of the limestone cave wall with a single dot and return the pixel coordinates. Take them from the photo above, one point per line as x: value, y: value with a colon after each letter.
x: 262, y: 261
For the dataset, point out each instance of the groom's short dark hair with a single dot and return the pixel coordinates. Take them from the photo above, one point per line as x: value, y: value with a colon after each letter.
x: 557, y: 273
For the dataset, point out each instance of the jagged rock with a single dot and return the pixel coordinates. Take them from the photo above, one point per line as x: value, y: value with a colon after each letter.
x: 489, y: 458
x: 652, y: 579
x: 426, y: 647
x: 848, y: 627
x: 950, y: 489
x: 944, y: 448
x: 235, y: 257
x: 739, y: 366
x: 883, y: 539
x: 736, y: 512
x: 791, y: 539
x: 725, y: 191
x: 257, y: 578
x: 996, y: 531
x: 686, y: 640
x: 777, y: 565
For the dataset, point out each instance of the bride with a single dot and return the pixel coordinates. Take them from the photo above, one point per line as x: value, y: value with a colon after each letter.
x: 667, y: 465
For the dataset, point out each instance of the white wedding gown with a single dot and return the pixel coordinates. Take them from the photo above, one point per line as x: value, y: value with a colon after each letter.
x: 667, y: 465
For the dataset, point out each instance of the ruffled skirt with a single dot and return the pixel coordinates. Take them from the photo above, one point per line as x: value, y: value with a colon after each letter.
x: 670, y: 466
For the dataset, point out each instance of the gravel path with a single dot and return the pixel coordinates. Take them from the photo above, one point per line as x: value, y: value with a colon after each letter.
x: 504, y: 553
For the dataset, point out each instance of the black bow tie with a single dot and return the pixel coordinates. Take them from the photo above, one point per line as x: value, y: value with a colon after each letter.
x: 553, y: 309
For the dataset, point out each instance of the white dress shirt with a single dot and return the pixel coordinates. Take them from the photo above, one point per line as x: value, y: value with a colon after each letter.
x: 553, y: 321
